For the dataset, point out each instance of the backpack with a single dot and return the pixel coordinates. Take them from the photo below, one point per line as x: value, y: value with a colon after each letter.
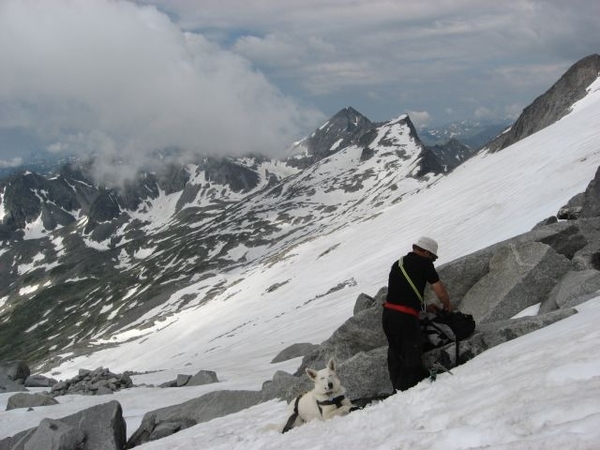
x: 445, y: 327
x: 461, y: 324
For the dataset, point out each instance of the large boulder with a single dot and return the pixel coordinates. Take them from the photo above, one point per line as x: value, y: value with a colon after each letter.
x: 360, y: 333
x: 9, y: 385
x: 588, y: 257
x: 286, y: 386
x: 365, y: 375
x: 39, y: 381
x: 461, y: 275
x: 55, y: 435
x: 520, y: 275
x: 166, y: 421
x: 102, y: 426
x: 25, y: 400
x: 573, y: 289
x: 15, y: 370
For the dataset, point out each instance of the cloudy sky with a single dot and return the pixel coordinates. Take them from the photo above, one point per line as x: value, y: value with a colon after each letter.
x: 123, y: 78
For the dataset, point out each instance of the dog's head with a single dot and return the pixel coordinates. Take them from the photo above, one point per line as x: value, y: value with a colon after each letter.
x: 326, y: 381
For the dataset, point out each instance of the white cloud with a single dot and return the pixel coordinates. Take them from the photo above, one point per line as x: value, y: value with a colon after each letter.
x: 14, y: 162
x: 419, y: 118
x: 432, y: 55
x: 123, y: 78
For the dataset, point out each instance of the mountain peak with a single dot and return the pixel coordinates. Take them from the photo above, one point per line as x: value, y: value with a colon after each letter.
x: 554, y: 104
x: 343, y: 129
x: 347, y: 113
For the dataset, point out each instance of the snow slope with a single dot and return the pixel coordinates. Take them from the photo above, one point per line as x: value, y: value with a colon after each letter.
x: 539, y: 391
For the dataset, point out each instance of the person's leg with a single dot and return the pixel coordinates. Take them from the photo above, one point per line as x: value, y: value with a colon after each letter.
x: 411, y: 352
x: 391, y: 329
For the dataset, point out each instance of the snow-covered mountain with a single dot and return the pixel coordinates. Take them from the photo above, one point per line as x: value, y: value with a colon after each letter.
x: 79, y: 262
x: 295, y: 278
x: 202, y: 275
x: 81, y: 265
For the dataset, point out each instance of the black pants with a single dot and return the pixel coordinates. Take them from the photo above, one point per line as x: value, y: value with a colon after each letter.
x: 405, y: 349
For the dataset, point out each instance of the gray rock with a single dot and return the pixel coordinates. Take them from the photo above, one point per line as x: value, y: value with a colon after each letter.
x: 203, y: 377
x: 461, y: 275
x: 553, y: 104
x: 285, y: 386
x: 24, y: 400
x: 573, y: 209
x: 55, y: 435
x: 9, y: 385
x: 589, y: 256
x: 591, y: 198
x: 366, y: 375
x: 14, y: 370
x: 182, y: 380
x: 39, y: 381
x: 361, y: 333
x: 100, y: 381
x: 294, y: 351
x: 159, y: 423
x: 363, y: 302
x: 103, y: 428
x: 169, y: 384
x: 574, y: 288
x: 521, y: 275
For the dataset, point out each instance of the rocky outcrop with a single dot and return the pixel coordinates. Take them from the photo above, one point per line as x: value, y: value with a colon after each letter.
x: 101, y: 427
x: 552, y: 105
x: 100, y: 381
x: 520, y: 275
x: 13, y: 375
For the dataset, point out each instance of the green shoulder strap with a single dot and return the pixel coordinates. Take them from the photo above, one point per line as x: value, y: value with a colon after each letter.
x: 412, y: 285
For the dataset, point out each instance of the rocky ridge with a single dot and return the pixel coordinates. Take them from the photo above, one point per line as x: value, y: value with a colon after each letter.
x: 553, y: 104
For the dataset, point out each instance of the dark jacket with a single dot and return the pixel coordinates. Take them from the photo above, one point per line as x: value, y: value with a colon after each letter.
x: 420, y: 270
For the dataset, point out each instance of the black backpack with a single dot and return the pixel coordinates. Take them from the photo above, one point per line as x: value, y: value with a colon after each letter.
x: 444, y: 327
x: 462, y: 324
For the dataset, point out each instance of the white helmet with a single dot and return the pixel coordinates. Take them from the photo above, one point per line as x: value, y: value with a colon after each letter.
x: 428, y: 244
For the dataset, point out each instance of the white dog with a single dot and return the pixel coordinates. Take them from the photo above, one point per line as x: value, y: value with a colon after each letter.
x: 326, y: 400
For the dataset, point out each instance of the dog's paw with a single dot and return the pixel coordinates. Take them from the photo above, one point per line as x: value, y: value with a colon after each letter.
x: 272, y: 427
x: 341, y: 411
x: 345, y: 409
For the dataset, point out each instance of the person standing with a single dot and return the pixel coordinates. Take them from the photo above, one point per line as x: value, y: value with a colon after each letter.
x: 404, y: 302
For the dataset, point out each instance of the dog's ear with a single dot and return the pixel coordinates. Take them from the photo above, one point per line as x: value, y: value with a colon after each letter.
x: 331, y: 365
x: 311, y: 373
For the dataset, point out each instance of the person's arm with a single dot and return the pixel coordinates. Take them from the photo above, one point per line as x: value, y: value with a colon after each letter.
x: 441, y: 292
